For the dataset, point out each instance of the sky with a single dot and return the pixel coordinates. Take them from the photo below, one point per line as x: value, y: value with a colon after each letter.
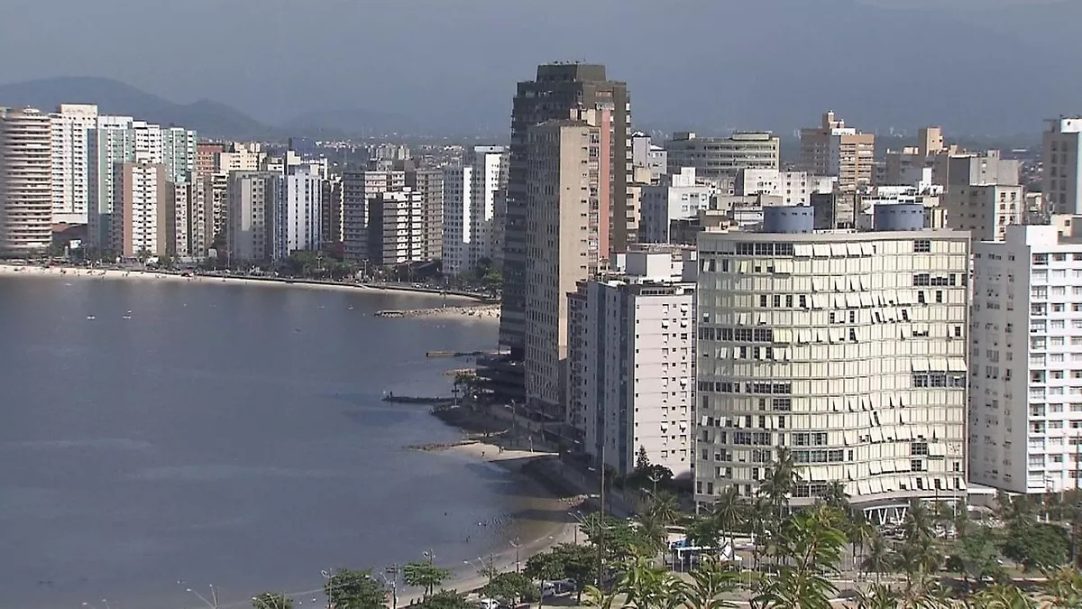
x: 974, y: 66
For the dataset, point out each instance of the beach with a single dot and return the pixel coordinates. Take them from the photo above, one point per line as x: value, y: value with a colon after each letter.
x: 457, y: 305
x: 543, y: 521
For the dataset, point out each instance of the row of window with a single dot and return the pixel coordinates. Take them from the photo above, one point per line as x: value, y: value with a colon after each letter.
x: 763, y: 388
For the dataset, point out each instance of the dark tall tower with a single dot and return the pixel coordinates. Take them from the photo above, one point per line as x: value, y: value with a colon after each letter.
x: 562, y: 91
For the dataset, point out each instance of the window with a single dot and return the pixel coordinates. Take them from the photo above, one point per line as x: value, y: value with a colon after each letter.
x: 922, y: 246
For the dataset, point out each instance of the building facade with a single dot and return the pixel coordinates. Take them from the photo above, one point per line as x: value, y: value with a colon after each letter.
x: 719, y: 158
x: 428, y: 182
x: 1025, y: 411
x: 1062, y: 156
x: 70, y: 126
x: 252, y: 198
x: 678, y: 196
x: 303, y: 213
x: 631, y: 365
x: 559, y: 91
x: 395, y: 234
x: 142, y: 210
x: 26, y: 194
x: 846, y: 348
x: 832, y: 149
x: 473, y: 194
x: 563, y: 248
x: 358, y: 188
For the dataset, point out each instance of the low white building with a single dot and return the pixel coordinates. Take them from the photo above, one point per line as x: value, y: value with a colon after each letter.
x: 679, y: 196
x: 793, y: 187
x: 631, y: 362
x: 1025, y: 408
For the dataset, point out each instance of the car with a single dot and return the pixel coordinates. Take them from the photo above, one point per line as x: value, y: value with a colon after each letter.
x: 488, y: 603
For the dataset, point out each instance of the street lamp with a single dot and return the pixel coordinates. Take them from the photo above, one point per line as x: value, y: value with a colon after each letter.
x: 517, y: 546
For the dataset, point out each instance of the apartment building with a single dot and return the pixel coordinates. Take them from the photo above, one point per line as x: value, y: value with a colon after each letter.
x: 1063, y: 165
x: 142, y: 210
x: 70, y: 127
x: 847, y: 348
x: 395, y: 234
x: 678, y: 196
x: 983, y: 195
x: 832, y: 149
x: 26, y: 195
x: 563, y: 248
x: 631, y: 362
x: 428, y: 182
x: 1025, y: 411
x: 562, y: 91
x: 358, y: 188
x: 302, y: 214
x: 718, y: 158
x: 472, y: 195
x: 252, y: 198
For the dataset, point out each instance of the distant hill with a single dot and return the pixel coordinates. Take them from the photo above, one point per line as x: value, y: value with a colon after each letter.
x: 208, y: 118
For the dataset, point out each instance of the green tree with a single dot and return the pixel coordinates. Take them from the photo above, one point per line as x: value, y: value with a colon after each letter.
x: 860, y: 533
x: 878, y: 596
x: 710, y: 580
x: 1063, y: 586
x: 272, y: 600
x: 647, y: 586
x: 348, y: 589
x: 446, y: 599
x: 880, y: 557
x: 544, y: 567
x: 729, y: 513
x: 812, y: 541
x: 578, y: 563
x: 1036, y: 545
x: 426, y: 575
x: 1000, y: 596
x: 977, y: 557
x: 509, y: 588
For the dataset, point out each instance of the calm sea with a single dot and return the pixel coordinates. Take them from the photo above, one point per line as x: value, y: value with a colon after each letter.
x: 226, y: 435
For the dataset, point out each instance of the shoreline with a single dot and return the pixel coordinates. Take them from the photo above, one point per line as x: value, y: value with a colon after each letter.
x: 465, y: 302
x: 536, y: 535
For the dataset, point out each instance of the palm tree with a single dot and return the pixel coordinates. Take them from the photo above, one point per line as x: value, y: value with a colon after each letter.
x: 728, y: 513
x: 663, y: 508
x: 650, y: 587
x: 918, y: 525
x: 1064, y: 587
x: 1002, y: 597
x: 812, y: 544
x: 879, y: 597
x: 860, y: 533
x: 836, y: 497
x: 880, y: 557
x: 709, y: 581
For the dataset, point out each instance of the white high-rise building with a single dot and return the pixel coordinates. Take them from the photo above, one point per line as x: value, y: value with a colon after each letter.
x: 1025, y: 411
x: 25, y: 181
x: 394, y: 229
x: 303, y: 210
x: 631, y: 362
x: 847, y: 348
x: 115, y: 139
x: 71, y: 125
x: 679, y: 196
x: 1063, y: 165
x: 472, y: 194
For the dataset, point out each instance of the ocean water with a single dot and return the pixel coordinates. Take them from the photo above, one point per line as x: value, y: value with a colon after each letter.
x: 159, y: 435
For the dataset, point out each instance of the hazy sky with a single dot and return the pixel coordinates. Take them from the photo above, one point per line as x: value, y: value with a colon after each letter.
x: 984, y: 66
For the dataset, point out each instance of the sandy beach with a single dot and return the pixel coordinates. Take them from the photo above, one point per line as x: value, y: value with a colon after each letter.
x: 458, y: 306
x: 542, y: 521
